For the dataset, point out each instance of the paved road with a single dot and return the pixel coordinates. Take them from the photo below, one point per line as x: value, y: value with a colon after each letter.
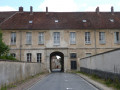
x: 62, y: 81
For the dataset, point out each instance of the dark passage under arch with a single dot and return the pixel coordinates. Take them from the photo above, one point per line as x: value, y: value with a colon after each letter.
x: 61, y: 60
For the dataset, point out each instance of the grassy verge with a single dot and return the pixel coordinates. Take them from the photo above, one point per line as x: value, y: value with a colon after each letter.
x: 110, y: 83
x: 5, y: 87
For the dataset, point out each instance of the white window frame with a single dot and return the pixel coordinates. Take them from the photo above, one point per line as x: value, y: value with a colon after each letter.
x: 39, y: 57
x: 87, y: 38
x: 28, y: 37
x: 41, y: 38
x: 72, y: 38
x: 117, y: 37
x: 29, y: 57
x: 13, y: 38
x: 102, y: 37
x: 56, y: 38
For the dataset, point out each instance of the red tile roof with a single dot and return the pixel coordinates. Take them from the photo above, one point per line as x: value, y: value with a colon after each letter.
x: 64, y: 20
x: 5, y: 15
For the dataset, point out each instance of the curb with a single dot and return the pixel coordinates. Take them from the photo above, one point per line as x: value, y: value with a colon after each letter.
x: 94, y: 83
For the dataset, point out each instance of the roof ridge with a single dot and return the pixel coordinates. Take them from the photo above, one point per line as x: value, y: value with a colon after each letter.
x: 8, y: 18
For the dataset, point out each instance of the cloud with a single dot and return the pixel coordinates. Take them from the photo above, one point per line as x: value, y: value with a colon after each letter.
x: 7, y: 8
x: 59, y: 5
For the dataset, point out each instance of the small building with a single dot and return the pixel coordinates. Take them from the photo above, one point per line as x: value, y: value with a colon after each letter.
x: 38, y: 36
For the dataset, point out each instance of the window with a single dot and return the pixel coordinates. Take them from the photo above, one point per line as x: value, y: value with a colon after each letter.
x: 28, y: 38
x: 87, y: 38
x: 56, y: 21
x: 102, y: 37
x: 88, y: 54
x: 56, y: 38
x: 41, y: 38
x: 30, y: 21
x: 73, y: 55
x: 39, y: 57
x: 13, y: 54
x: 116, y: 37
x: 13, y: 38
x: 29, y: 57
x: 84, y: 20
x: 72, y: 37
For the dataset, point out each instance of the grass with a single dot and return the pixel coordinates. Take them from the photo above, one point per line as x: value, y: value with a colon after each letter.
x: 5, y: 87
x: 110, y: 83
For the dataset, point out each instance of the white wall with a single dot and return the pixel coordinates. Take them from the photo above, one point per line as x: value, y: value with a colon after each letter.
x: 11, y: 72
x: 108, y: 61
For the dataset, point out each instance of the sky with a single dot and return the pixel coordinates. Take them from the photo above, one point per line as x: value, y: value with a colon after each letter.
x: 60, y: 5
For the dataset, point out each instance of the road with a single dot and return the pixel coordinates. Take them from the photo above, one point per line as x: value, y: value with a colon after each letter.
x: 62, y: 81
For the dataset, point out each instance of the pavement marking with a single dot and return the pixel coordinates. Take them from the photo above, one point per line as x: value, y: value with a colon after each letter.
x: 66, y: 80
x: 69, y: 88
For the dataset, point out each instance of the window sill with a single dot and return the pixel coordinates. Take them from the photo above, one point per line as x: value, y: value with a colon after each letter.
x: 102, y: 43
x: 40, y: 44
x: 13, y: 44
x: 28, y: 44
x: 87, y: 43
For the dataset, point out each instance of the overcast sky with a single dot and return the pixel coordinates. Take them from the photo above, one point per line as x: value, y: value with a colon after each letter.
x: 60, y: 5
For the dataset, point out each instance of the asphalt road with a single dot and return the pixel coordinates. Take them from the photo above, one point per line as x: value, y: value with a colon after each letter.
x: 62, y: 81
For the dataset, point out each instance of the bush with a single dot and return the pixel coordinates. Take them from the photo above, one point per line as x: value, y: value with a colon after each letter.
x: 5, y: 57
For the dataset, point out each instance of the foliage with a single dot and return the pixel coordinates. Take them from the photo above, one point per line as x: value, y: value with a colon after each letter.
x: 4, y: 49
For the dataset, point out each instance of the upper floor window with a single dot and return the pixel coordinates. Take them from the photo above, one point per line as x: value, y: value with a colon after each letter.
x: 116, y: 37
x: 73, y: 55
x: 72, y: 37
x: 87, y: 38
x: 102, y: 37
x: 13, y: 54
x: 13, y: 38
x: 56, y: 38
x: 41, y: 38
x: 39, y: 55
x: 29, y: 57
x: 28, y: 38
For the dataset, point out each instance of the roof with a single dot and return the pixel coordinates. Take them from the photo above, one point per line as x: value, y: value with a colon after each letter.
x: 5, y: 15
x: 61, y: 20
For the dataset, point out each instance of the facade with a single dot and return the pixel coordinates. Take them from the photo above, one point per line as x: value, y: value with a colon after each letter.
x: 38, y: 36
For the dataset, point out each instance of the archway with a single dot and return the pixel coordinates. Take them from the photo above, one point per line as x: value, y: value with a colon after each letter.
x: 55, y: 63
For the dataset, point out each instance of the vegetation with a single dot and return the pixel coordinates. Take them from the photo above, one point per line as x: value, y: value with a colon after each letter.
x: 110, y: 83
x: 4, y: 50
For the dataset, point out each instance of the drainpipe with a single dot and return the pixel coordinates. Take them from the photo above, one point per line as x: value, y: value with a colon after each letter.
x: 95, y: 42
x: 20, y: 43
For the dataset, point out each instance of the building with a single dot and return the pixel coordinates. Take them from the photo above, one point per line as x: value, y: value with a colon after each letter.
x: 38, y: 36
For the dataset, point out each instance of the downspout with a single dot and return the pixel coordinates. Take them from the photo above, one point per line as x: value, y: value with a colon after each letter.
x: 20, y: 43
x: 95, y: 42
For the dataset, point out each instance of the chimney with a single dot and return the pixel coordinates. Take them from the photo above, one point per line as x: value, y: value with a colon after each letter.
x: 97, y: 10
x: 46, y: 10
x: 112, y: 10
x: 21, y: 9
x: 31, y: 10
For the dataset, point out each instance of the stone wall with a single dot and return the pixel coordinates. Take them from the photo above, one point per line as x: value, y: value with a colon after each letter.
x: 11, y: 72
x: 105, y: 65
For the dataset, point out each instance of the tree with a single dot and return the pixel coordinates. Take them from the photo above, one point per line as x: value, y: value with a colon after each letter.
x: 4, y: 49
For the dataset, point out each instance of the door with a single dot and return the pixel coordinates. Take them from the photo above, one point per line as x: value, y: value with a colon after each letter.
x: 73, y: 65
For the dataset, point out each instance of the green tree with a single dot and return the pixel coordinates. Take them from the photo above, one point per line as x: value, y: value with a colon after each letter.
x: 4, y: 49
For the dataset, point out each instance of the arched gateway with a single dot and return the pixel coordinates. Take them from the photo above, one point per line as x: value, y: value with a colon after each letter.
x: 60, y: 62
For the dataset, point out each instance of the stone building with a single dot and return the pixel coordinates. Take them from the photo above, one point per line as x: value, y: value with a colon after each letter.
x: 38, y: 36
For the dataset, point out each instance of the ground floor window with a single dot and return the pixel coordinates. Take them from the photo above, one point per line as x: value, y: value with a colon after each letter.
x: 73, y: 55
x: 13, y: 54
x: 39, y: 55
x: 29, y: 57
x: 73, y: 65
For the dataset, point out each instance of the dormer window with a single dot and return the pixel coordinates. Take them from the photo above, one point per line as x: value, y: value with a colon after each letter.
x: 56, y: 21
x: 84, y: 20
x: 30, y: 21
x: 111, y: 20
